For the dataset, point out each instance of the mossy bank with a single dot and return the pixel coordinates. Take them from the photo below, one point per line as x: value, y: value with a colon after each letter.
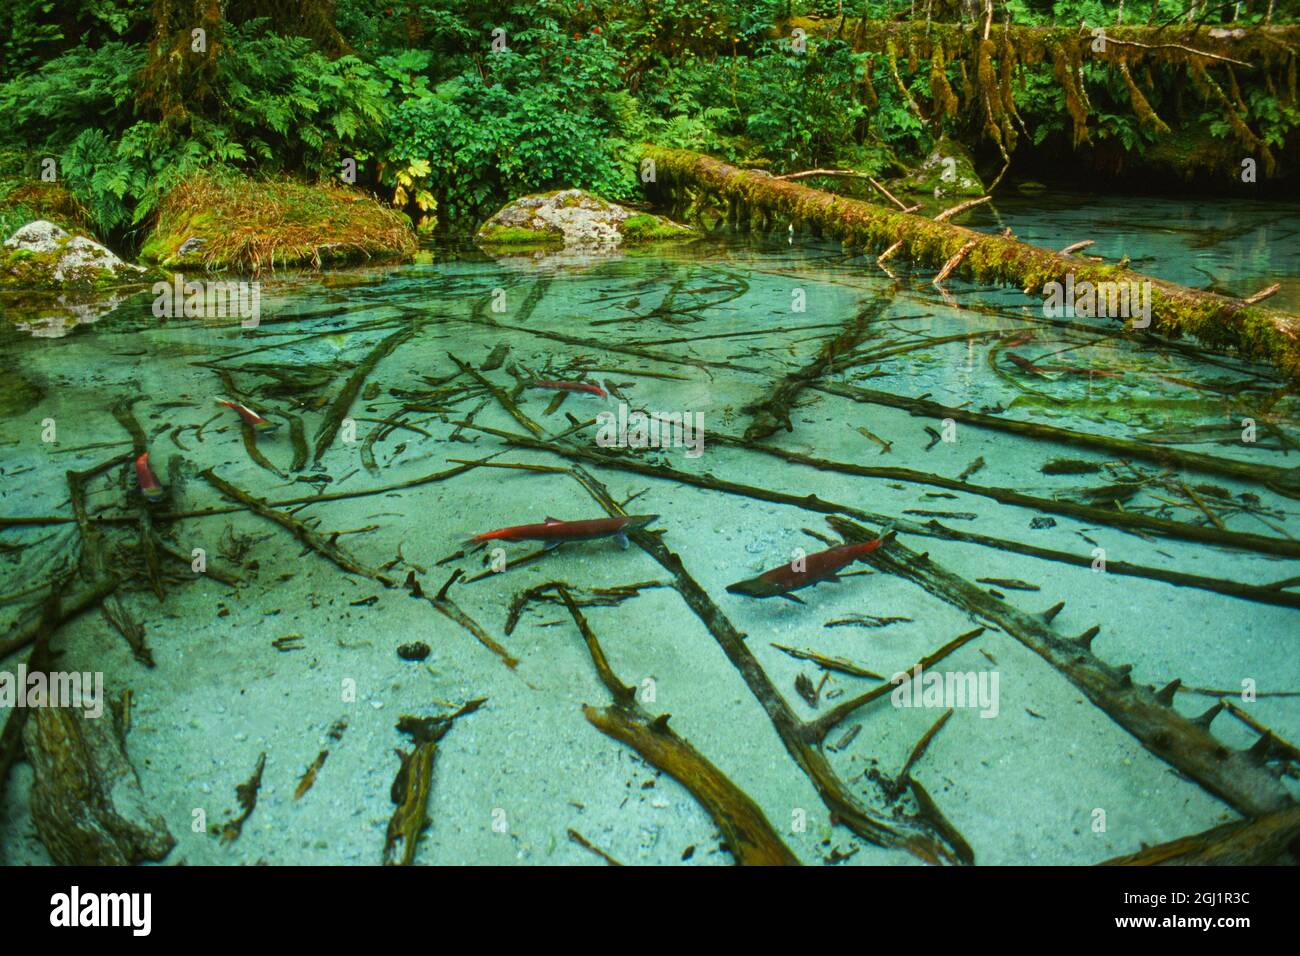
x: 238, y: 224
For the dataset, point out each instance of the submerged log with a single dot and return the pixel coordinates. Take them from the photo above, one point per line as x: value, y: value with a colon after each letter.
x: 1271, y: 839
x: 1239, y: 778
x: 1258, y: 333
x: 773, y: 412
x: 86, y: 800
x: 748, y: 834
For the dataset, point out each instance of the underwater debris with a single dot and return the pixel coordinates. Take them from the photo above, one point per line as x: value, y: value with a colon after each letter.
x: 449, y: 609
x: 838, y: 664
x: 866, y: 620
x: 86, y: 799
x: 1185, y: 744
x: 1257, y: 332
x: 415, y: 651
x: 772, y: 413
x: 1069, y: 466
x: 308, y: 778
x: 496, y: 358
x: 414, y: 780
x: 246, y: 793
x: 1266, y: 840
x: 586, y: 844
x: 930, y: 529
x: 1011, y: 584
x: 748, y: 834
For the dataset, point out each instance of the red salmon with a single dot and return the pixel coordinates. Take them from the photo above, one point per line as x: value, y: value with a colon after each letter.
x: 822, y: 566
x: 590, y: 387
x: 555, y: 532
x: 149, y: 486
x: 250, y: 416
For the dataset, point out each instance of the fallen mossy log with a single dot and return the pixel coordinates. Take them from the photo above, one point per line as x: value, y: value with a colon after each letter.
x: 1259, y: 333
x: 1265, y: 841
x: 749, y: 836
x: 1240, y: 778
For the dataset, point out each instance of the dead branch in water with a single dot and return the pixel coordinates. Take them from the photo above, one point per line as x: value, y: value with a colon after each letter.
x: 749, y: 836
x: 1265, y: 841
x: 1240, y: 778
x: 1258, y: 333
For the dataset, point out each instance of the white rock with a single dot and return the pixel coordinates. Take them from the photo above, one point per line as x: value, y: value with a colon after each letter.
x: 38, y: 236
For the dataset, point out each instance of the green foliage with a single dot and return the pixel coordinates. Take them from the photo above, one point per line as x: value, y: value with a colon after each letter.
x: 802, y: 106
x: 542, y: 114
x: 435, y: 118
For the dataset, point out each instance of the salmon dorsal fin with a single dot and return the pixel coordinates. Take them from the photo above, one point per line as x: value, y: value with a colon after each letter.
x: 550, y: 520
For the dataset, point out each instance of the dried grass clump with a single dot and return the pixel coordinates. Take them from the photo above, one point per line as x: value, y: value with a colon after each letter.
x: 251, y: 225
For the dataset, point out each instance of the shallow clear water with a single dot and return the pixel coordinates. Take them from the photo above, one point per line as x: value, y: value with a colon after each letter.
x: 708, y: 331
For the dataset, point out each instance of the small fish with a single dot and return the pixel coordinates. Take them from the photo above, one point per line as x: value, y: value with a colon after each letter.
x: 592, y: 388
x: 555, y: 532
x: 822, y: 566
x: 149, y: 486
x: 1025, y: 364
x: 973, y: 467
x: 250, y: 416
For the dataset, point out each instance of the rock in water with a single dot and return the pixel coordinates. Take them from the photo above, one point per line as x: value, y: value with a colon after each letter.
x: 573, y: 217
x: 42, y: 255
x: 947, y: 173
x: 86, y: 800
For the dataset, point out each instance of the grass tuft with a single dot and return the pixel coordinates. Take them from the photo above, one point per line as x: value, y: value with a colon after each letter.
x: 251, y: 225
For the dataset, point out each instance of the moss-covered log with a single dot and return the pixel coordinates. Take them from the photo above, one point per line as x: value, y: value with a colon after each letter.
x: 1261, y: 334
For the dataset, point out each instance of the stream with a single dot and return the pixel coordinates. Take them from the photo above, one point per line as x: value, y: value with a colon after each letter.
x: 402, y: 395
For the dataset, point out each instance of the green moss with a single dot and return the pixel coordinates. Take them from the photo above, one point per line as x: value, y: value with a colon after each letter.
x: 518, y: 236
x: 23, y: 201
x: 645, y: 227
